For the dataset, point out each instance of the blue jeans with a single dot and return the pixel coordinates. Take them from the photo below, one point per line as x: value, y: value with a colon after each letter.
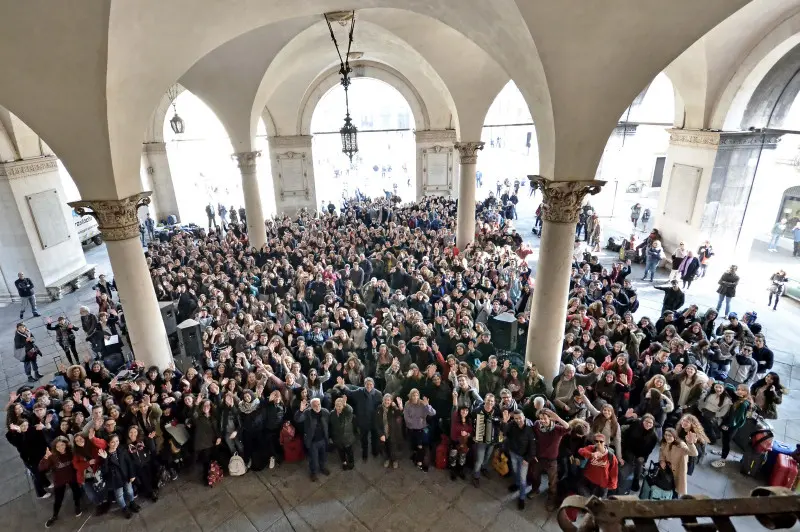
x: 27, y: 301
x: 520, y: 473
x: 483, y: 453
x: 773, y: 243
x: 650, y: 266
x: 727, y: 303
x: 30, y: 365
x: 317, y: 456
x: 124, y: 495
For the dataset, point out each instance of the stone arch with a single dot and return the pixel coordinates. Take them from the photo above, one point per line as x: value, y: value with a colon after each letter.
x: 730, y: 108
x: 362, y: 69
x: 772, y: 99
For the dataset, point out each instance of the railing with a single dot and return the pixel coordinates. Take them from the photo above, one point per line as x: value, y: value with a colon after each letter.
x: 773, y: 508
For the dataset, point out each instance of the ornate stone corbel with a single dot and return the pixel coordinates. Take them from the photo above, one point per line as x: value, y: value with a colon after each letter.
x: 117, y: 218
x: 469, y: 151
x: 562, y: 199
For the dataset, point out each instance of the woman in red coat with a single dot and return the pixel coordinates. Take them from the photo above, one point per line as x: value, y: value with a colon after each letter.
x: 86, y: 458
x: 460, y: 436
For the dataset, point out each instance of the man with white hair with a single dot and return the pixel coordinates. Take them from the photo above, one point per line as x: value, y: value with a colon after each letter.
x: 315, y: 422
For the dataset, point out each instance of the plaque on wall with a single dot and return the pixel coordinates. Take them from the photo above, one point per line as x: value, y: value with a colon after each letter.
x: 292, y: 175
x: 437, y: 169
x: 684, y: 183
x: 48, y: 217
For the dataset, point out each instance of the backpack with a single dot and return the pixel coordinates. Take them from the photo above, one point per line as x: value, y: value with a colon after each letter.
x: 500, y: 463
x: 236, y: 466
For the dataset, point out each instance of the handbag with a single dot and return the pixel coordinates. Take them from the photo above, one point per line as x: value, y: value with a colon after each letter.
x: 500, y: 463
x: 236, y: 466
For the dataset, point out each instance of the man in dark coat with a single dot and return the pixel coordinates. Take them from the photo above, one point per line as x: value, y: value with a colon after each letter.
x: 26, y: 294
x: 674, y: 297
x: 315, y: 422
x: 365, y: 401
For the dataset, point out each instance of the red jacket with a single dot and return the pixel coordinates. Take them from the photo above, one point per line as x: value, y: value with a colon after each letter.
x: 602, y: 472
x: 81, y: 464
x: 456, y: 427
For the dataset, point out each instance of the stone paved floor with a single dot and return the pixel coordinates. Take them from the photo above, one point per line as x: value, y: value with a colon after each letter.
x: 369, y: 498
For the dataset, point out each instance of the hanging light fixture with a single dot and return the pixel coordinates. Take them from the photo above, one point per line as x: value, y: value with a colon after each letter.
x: 176, y: 123
x: 349, y: 132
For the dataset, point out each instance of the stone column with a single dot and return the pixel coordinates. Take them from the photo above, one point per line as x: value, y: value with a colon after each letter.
x: 292, y: 160
x: 155, y: 166
x: 436, y: 173
x: 560, y: 208
x: 256, y: 233
x: 465, y: 231
x: 119, y: 224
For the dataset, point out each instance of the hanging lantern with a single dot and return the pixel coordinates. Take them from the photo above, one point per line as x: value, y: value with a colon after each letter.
x: 349, y: 134
x: 177, y: 124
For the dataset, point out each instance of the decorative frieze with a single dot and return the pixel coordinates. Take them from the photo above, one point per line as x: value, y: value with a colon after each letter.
x: 435, y: 136
x: 694, y: 138
x: 469, y: 151
x: 28, y: 167
x: 722, y: 139
x: 117, y: 218
x: 290, y: 142
x: 154, y: 147
x: 563, y: 199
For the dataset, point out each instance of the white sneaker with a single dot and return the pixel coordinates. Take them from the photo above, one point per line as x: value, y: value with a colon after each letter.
x: 718, y: 463
x: 272, y: 462
x: 46, y: 495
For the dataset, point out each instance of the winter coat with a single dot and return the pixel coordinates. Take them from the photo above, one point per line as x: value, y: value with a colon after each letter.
x: 309, y: 419
x: 274, y: 414
x: 520, y: 440
x: 30, y: 445
x: 727, y: 284
x: 677, y: 456
x: 394, y: 424
x: 341, y: 427
x: 81, y: 463
x: 118, y: 469
x: 365, y: 403
x: 206, y: 431
x: 637, y: 442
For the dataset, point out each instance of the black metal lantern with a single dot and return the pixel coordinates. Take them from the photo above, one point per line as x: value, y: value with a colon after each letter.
x: 349, y: 134
x: 177, y: 124
x: 349, y: 131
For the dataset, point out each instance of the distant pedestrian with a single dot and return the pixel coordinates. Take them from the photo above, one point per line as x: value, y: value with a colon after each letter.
x: 26, y: 294
x: 777, y: 231
x: 636, y: 212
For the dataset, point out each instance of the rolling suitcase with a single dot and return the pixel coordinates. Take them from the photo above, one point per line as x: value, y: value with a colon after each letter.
x: 778, y: 447
x: 752, y: 427
x: 784, y: 472
x: 752, y: 463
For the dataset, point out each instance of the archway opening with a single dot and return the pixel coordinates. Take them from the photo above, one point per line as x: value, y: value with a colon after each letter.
x: 200, y: 162
x: 385, y: 162
x: 635, y: 155
x: 511, y: 151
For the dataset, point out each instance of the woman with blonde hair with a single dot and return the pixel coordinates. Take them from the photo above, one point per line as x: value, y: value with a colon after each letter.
x: 674, y: 453
x: 689, y: 424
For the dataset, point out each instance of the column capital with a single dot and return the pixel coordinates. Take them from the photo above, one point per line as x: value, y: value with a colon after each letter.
x: 246, y: 160
x: 117, y: 218
x: 469, y: 151
x: 154, y: 147
x: 562, y: 199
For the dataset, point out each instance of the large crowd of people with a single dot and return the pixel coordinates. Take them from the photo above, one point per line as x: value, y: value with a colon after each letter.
x: 369, y: 329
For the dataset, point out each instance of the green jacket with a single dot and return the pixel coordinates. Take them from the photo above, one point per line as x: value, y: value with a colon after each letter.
x: 490, y: 382
x: 341, y: 426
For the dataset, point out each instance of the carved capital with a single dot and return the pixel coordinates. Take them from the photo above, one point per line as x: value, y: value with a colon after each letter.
x: 246, y: 160
x: 469, y: 151
x: 117, y: 218
x: 562, y: 199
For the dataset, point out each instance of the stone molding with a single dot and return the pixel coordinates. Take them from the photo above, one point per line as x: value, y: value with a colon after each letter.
x: 563, y: 199
x: 722, y: 139
x: 695, y: 138
x: 28, y: 167
x: 117, y: 218
x: 435, y: 136
x: 154, y: 147
x: 246, y: 160
x: 469, y: 151
x: 290, y: 141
